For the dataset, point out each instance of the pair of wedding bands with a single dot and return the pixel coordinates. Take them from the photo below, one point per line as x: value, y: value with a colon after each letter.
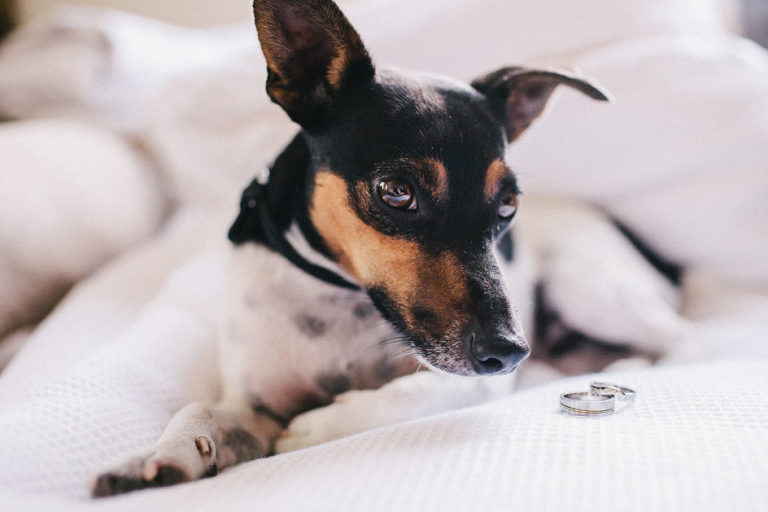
x: 599, y: 400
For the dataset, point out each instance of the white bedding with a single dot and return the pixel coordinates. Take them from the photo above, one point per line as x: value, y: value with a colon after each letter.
x: 680, y: 157
x: 696, y: 439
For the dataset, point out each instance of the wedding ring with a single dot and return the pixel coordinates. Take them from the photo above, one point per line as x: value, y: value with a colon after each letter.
x: 588, y: 404
x: 601, y: 399
x: 620, y: 392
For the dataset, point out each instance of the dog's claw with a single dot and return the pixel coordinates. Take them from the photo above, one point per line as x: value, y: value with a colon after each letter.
x: 149, y: 472
x: 204, y: 446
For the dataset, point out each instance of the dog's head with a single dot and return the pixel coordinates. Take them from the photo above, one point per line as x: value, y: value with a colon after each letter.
x: 408, y: 189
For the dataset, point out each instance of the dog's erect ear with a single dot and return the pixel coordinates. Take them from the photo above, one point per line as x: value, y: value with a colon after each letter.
x: 312, y: 54
x: 518, y: 95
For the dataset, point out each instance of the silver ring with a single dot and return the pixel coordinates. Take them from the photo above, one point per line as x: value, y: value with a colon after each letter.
x: 620, y: 392
x: 588, y: 404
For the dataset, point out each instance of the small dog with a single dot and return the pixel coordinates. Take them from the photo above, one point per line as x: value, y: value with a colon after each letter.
x: 377, y: 244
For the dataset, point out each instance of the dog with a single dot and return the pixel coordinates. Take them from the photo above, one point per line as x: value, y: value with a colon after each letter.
x: 377, y: 245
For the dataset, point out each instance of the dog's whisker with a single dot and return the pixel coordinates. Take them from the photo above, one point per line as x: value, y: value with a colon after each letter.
x: 405, y: 352
x: 393, y: 340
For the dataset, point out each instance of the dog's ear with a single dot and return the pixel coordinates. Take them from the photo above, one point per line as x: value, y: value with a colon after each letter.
x: 312, y: 54
x: 518, y: 95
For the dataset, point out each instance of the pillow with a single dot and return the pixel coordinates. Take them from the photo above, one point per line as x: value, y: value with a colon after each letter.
x: 71, y: 196
x: 679, y: 156
x: 466, y: 39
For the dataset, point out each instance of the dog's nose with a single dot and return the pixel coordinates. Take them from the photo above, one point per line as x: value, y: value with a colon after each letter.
x: 496, y: 355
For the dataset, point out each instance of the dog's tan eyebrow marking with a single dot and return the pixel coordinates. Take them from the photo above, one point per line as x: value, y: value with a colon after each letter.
x: 434, y: 177
x: 494, y: 176
x: 430, y: 175
x: 333, y: 384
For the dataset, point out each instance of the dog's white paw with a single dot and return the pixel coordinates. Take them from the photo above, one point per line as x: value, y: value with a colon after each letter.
x: 351, y: 413
x: 407, y: 398
x: 166, y: 464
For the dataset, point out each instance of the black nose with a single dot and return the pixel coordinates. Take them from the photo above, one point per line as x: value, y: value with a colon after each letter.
x: 493, y: 356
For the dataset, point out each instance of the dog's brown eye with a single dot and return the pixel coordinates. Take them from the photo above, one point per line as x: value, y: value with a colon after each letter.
x: 397, y: 194
x: 508, y: 207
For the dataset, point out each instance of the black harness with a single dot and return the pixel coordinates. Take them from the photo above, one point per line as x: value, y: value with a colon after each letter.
x: 254, y: 210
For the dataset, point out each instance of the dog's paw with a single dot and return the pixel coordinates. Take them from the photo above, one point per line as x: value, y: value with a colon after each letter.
x: 349, y: 414
x: 123, y: 480
x: 164, y: 465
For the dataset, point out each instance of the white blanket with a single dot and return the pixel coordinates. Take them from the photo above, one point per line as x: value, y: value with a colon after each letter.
x: 680, y: 157
x: 696, y: 440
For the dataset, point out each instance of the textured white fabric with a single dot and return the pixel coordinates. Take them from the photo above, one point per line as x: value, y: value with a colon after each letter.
x: 696, y: 440
x: 121, y: 395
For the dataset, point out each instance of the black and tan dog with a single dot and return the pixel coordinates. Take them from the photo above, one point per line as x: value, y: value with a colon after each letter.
x: 377, y: 244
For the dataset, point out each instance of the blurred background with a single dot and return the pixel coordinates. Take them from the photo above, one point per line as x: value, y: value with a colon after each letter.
x: 750, y: 15
x: 195, y: 13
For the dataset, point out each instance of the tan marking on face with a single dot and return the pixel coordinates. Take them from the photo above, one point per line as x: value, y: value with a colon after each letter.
x: 497, y: 171
x: 401, y: 267
x: 438, y: 184
x: 442, y: 290
x: 430, y: 174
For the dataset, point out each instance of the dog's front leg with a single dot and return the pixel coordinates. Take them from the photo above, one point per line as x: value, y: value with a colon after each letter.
x: 199, y: 441
x: 407, y: 398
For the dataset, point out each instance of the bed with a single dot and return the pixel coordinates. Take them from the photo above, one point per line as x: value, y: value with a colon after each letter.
x: 122, y: 172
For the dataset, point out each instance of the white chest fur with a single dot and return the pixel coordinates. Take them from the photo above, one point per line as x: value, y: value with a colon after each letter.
x: 292, y: 342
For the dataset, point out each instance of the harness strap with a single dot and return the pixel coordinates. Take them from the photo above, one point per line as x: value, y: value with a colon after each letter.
x: 254, y: 199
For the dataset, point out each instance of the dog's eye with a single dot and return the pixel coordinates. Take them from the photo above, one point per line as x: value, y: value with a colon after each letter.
x: 397, y: 194
x: 508, y: 207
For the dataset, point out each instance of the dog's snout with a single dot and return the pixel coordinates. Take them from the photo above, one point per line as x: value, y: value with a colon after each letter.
x: 496, y: 355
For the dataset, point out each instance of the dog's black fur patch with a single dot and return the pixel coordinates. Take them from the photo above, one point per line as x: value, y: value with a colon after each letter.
x: 666, y: 267
x: 243, y: 444
x: 363, y: 310
x: 264, y: 410
x: 312, y: 326
x: 334, y: 383
x: 385, y: 369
